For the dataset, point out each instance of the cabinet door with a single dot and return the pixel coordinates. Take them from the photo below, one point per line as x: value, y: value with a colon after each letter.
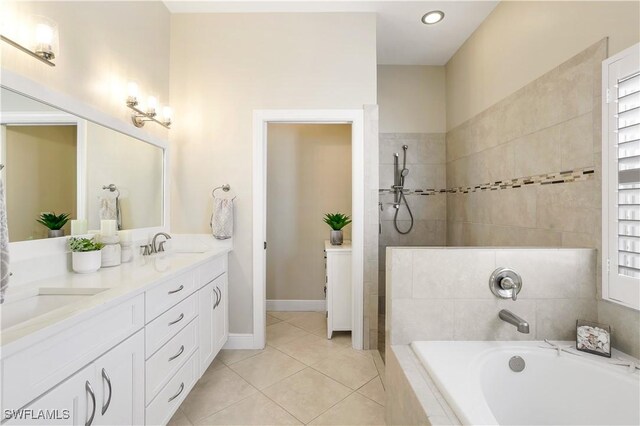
x: 72, y: 402
x: 207, y: 299
x: 221, y: 314
x: 120, y: 383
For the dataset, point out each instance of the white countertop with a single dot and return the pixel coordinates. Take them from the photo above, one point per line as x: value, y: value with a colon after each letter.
x: 107, y: 288
x: 346, y: 246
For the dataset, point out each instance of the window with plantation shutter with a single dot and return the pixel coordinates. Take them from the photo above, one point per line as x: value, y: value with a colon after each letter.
x: 621, y: 178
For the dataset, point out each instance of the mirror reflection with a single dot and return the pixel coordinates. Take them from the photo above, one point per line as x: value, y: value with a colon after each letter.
x: 59, y: 167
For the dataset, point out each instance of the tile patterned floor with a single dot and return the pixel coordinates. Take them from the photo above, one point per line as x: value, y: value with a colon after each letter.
x: 299, y: 378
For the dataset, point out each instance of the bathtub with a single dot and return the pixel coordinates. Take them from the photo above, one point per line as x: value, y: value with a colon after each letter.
x: 567, y: 389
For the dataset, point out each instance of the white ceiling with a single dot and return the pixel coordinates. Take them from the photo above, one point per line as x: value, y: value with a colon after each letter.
x: 402, y: 38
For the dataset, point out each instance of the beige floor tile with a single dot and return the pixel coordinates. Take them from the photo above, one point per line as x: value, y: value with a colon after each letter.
x: 377, y: 359
x: 267, y: 368
x: 254, y: 410
x: 283, y: 332
x: 349, y: 367
x: 231, y: 356
x: 179, y: 419
x: 284, y: 316
x: 353, y: 410
x: 307, y: 394
x: 309, y: 321
x: 340, y: 337
x: 272, y: 320
x: 310, y: 349
x: 374, y: 391
x: 222, y: 388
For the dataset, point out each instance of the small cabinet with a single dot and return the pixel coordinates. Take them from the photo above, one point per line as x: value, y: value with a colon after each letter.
x: 338, y: 289
x: 214, y: 325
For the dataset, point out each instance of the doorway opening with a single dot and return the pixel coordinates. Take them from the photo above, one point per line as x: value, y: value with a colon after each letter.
x: 306, y: 163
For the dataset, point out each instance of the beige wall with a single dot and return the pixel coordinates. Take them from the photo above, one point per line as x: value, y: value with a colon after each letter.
x: 103, y: 45
x: 135, y: 167
x: 411, y: 99
x: 308, y: 175
x: 224, y: 66
x: 40, y: 177
x: 521, y: 40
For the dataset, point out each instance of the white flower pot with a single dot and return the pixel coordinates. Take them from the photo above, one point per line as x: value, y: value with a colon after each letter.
x: 86, y: 262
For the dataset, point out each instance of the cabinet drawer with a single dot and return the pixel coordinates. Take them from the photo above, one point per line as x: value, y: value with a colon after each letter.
x: 211, y: 270
x: 31, y: 372
x: 167, y: 325
x: 160, y: 410
x: 165, y: 295
x: 164, y: 363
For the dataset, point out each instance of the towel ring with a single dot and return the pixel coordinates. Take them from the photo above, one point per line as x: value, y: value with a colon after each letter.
x: 226, y: 187
x: 112, y: 188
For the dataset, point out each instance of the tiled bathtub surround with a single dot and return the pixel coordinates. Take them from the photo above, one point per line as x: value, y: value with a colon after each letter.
x: 443, y: 293
x: 426, y: 164
x: 551, y: 124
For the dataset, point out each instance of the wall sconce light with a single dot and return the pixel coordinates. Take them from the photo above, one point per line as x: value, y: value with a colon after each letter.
x: 141, y: 115
x: 43, y: 39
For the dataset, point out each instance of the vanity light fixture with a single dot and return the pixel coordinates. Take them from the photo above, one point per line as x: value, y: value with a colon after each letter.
x: 141, y: 115
x: 44, y: 41
x: 432, y: 17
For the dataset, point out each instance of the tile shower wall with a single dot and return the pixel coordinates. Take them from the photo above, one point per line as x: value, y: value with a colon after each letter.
x: 427, y: 170
x: 549, y: 126
x: 442, y: 293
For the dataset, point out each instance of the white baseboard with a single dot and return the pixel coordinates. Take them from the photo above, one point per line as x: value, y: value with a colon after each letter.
x: 296, y: 305
x: 239, y: 341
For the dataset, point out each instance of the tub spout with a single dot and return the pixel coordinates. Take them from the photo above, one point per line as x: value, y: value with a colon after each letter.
x: 511, y: 318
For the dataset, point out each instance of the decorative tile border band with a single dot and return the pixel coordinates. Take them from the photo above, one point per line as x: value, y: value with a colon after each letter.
x: 567, y: 176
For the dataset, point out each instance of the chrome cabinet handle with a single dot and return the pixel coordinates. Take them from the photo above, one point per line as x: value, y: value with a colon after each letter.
x: 176, y: 290
x: 177, y: 320
x: 171, y: 358
x: 215, y: 304
x: 178, y: 394
x: 92, y: 394
x: 105, y: 377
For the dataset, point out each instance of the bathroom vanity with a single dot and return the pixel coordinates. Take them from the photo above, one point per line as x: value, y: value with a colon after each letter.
x: 123, y: 346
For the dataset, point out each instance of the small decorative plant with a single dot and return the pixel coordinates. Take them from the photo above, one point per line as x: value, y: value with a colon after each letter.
x: 79, y: 245
x: 86, y: 256
x: 336, y: 221
x: 54, y: 222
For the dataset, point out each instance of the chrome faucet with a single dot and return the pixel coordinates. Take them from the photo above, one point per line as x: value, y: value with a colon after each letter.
x: 511, y: 318
x: 159, y: 248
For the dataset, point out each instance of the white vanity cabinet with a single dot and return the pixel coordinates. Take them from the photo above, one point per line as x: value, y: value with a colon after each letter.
x: 213, y: 318
x: 129, y: 362
x: 338, y: 279
x: 106, y: 392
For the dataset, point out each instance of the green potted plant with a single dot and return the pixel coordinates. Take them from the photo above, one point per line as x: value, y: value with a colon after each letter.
x: 86, y: 256
x: 54, y: 222
x: 336, y: 221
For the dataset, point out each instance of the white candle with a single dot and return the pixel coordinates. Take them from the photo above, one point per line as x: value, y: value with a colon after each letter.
x: 108, y: 228
x: 125, y: 236
x: 78, y: 227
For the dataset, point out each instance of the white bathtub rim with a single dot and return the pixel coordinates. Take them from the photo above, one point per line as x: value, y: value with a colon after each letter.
x: 469, y: 405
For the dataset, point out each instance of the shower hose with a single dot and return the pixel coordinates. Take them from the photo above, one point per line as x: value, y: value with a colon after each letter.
x: 395, y: 217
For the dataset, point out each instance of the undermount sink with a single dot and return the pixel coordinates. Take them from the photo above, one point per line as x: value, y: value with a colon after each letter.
x: 46, y: 300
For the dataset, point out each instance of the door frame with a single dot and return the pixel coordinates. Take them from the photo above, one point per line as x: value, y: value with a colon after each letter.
x: 261, y: 119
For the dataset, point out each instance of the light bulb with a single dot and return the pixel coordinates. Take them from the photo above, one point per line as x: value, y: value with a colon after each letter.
x: 152, y: 104
x: 167, y: 115
x: 44, y: 40
x: 132, y: 93
x: 432, y: 17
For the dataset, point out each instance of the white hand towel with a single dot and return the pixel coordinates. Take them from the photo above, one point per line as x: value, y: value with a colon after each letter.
x: 222, y: 218
x: 4, y: 245
x: 108, y: 208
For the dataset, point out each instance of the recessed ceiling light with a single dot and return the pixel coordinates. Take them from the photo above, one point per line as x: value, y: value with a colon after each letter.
x: 433, y: 17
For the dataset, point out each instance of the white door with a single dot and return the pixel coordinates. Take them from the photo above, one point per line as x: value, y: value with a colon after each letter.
x: 120, y: 383
x: 220, y: 314
x: 207, y: 299
x: 72, y: 402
